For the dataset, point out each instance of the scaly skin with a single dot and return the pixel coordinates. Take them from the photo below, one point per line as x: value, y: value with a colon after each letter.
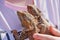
x: 32, y: 21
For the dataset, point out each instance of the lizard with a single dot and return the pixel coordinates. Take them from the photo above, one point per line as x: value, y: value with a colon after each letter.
x: 32, y: 21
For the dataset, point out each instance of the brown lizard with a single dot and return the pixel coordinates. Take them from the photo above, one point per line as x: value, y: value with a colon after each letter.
x: 32, y: 21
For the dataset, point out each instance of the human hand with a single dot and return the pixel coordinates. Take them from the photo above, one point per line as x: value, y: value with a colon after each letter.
x: 53, y: 30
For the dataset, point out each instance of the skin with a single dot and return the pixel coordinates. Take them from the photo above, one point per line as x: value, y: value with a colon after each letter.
x: 53, y: 30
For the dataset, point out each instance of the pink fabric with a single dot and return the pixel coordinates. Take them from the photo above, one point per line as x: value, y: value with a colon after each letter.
x: 18, y: 4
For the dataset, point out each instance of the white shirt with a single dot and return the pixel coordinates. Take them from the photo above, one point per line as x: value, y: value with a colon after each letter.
x: 12, y: 20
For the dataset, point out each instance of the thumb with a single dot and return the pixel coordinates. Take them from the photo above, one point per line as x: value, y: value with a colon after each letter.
x: 43, y: 36
x: 54, y: 31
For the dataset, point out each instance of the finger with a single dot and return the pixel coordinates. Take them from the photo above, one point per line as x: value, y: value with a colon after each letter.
x: 43, y: 36
x: 36, y: 39
x: 54, y: 31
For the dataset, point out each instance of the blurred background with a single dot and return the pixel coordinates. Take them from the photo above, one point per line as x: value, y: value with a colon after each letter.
x: 8, y: 12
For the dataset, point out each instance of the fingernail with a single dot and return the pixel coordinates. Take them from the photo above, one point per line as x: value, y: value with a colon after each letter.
x: 35, y: 35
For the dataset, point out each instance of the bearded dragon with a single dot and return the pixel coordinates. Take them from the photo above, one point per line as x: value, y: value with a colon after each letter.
x: 32, y: 21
